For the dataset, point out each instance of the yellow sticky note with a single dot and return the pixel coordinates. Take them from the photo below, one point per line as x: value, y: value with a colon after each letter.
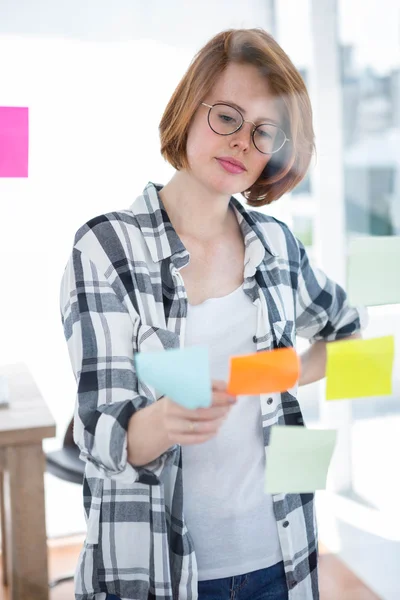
x: 359, y: 368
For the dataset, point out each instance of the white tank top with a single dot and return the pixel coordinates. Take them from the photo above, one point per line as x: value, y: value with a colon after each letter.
x: 227, y: 513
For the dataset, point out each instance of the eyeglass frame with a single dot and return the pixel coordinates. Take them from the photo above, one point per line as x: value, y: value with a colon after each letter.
x: 211, y: 106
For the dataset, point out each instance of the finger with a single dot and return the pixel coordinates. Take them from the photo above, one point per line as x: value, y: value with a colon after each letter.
x: 185, y: 427
x: 220, y: 401
x: 209, y: 414
x: 176, y: 411
x: 223, y: 399
x: 190, y: 440
x: 218, y: 385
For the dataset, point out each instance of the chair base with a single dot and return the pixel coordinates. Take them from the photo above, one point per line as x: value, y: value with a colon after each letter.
x: 59, y: 580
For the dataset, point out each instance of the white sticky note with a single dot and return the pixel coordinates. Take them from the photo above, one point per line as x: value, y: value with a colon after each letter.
x: 298, y: 459
x: 373, y: 267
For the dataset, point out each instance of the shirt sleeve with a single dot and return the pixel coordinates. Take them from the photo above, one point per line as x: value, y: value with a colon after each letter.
x: 99, y: 331
x: 322, y: 308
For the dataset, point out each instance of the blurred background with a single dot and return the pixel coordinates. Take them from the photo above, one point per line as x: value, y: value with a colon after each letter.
x: 96, y: 77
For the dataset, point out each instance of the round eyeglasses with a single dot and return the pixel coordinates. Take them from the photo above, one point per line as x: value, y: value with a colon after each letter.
x: 224, y: 119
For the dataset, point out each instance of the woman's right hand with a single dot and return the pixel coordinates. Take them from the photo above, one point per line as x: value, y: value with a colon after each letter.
x: 186, y: 426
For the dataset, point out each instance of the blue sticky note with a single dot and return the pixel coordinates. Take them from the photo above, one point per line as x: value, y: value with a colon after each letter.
x: 181, y: 374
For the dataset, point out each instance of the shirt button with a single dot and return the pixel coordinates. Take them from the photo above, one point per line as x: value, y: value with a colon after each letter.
x: 270, y: 400
x: 285, y: 524
x: 254, y: 339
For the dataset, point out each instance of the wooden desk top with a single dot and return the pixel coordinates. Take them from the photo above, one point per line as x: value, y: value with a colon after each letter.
x: 27, y: 419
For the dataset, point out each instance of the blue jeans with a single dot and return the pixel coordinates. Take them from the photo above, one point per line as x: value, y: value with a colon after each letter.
x: 265, y: 584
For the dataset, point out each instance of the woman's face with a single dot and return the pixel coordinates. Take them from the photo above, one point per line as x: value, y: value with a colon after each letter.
x: 244, y: 87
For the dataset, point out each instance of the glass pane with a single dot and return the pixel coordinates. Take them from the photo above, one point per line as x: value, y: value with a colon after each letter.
x: 371, y: 137
x: 371, y: 115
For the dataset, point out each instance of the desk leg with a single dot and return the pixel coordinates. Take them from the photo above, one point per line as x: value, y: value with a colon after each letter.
x: 26, y: 525
x: 3, y: 531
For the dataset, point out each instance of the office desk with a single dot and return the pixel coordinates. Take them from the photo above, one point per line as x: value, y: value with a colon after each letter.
x: 23, y: 426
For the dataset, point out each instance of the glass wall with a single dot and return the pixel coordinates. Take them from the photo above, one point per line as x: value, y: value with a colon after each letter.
x: 369, y: 47
x: 357, y: 121
x: 96, y: 87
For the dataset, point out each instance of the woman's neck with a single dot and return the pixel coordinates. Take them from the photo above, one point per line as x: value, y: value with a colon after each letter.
x: 194, y: 210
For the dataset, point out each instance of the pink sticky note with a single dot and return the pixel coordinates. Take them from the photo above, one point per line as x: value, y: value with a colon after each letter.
x: 13, y: 141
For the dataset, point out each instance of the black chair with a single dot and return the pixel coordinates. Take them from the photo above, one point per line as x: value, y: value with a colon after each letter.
x: 66, y: 464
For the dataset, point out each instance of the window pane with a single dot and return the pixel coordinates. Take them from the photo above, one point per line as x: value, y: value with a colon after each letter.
x: 370, y: 64
x: 371, y: 115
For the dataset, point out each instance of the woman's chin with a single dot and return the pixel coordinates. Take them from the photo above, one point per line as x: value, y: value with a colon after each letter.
x: 219, y: 184
x: 224, y: 186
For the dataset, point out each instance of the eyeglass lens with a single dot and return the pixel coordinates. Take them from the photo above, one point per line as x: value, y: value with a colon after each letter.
x: 225, y: 120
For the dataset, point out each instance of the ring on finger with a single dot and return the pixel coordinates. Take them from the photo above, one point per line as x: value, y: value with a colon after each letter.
x: 192, y: 426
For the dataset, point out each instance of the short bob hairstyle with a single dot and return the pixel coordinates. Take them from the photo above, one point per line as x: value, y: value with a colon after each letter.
x: 287, y: 167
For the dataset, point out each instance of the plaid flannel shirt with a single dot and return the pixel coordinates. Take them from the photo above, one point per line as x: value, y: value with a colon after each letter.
x: 122, y: 292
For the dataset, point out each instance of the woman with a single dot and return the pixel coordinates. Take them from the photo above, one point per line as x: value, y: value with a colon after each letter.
x: 174, y: 497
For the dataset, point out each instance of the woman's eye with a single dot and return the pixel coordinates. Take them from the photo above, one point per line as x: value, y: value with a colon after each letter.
x: 264, y: 134
x: 226, y: 118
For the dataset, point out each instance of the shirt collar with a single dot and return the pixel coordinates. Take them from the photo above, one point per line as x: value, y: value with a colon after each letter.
x: 163, y: 241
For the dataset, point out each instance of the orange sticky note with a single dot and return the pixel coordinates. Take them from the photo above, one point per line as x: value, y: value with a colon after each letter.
x: 264, y: 372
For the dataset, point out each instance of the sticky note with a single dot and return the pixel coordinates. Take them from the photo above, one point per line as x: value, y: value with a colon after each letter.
x: 359, y: 368
x: 181, y: 374
x: 13, y: 142
x: 264, y: 372
x: 373, y: 270
x: 297, y: 459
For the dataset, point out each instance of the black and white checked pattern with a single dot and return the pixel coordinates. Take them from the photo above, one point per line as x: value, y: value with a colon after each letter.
x: 121, y: 292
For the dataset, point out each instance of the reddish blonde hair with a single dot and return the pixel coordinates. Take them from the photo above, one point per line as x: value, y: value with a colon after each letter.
x: 256, y: 47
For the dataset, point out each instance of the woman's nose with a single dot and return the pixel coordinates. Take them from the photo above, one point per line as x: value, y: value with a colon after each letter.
x: 242, y: 137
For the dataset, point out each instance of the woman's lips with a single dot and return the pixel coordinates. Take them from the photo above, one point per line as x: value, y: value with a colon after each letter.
x: 230, y: 167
